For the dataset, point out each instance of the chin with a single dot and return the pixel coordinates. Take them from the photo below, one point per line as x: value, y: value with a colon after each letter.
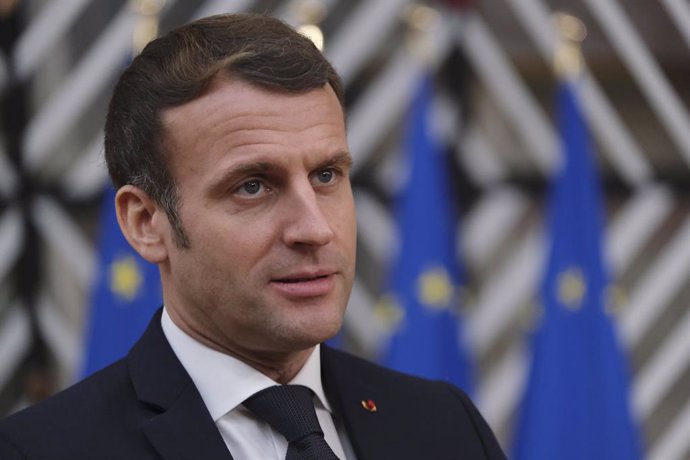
x: 316, y: 334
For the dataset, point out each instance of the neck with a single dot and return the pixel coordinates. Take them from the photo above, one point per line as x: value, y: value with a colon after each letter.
x: 279, y: 366
x: 279, y: 369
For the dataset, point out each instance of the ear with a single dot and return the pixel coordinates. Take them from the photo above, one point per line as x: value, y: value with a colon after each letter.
x: 143, y: 222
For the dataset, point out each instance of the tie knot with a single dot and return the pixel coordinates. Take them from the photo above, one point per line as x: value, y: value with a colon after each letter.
x: 289, y: 409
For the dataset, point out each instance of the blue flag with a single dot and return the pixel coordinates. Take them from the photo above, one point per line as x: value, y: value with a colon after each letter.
x: 125, y: 294
x: 425, y: 277
x: 576, y: 404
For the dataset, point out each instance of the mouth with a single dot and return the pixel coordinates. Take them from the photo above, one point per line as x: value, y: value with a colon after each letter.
x: 301, y: 279
x: 304, y: 285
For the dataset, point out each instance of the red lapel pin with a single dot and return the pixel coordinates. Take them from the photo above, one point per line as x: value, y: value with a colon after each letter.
x: 369, y: 405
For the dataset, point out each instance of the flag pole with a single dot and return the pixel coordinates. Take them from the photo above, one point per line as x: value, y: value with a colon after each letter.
x: 147, y: 22
x: 571, y: 32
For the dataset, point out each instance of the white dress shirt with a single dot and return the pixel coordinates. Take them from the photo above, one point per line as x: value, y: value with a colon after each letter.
x: 224, y: 382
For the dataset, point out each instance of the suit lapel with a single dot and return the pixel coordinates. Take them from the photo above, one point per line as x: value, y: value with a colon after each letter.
x: 186, y: 431
x: 182, y: 428
x: 372, y: 433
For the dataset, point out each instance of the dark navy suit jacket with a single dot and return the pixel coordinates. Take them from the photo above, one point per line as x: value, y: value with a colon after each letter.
x: 145, y: 406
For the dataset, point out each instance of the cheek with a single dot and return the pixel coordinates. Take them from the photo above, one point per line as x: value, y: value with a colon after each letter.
x: 345, y: 219
x: 235, y: 250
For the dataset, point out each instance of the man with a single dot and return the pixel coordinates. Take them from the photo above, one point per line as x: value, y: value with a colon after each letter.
x: 226, y: 140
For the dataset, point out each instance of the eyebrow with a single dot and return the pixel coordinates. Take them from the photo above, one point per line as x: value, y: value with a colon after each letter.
x: 342, y: 159
x: 219, y: 183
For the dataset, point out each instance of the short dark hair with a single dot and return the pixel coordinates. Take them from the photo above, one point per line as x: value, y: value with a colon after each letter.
x: 178, y: 68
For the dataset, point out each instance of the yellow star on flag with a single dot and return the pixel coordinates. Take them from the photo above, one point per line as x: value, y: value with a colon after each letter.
x: 435, y: 289
x: 125, y: 278
x: 571, y: 288
x: 389, y: 313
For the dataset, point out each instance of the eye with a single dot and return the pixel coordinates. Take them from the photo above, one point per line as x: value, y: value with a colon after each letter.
x: 325, y: 176
x: 251, y: 188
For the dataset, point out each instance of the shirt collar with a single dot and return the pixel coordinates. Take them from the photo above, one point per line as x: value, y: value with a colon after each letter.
x: 224, y: 381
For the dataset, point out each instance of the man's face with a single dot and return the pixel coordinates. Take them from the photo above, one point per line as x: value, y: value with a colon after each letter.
x: 266, y: 202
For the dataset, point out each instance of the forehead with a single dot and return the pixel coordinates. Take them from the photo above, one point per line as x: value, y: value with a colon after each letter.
x: 237, y: 98
x: 235, y: 117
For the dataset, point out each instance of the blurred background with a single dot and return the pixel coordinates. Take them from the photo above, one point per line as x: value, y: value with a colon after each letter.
x: 495, y: 86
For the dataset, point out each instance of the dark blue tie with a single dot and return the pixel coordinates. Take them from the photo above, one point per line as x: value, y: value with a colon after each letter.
x: 289, y: 409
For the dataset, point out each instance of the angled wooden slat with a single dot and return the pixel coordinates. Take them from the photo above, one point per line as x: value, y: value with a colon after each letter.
x: 8, y: 177
x: 360, y: 322
x: 290, y: 14
x: 679, y: 12
x: 390, y: 172
x: 624, y: 152
x: 674, y: 443
x: 501, y: 390
x: 506, y: 291
x: 4, y: 77
x: 11, y: 239
x: 368, y: 25
x: 510, y: 92
x: 636, y: 223
x: 15, y: 339
x: 663, y: 368
x: 490, y: 222
x: 63, y: 339
x: 58, y: 230
x: 646, y: 71
x: 86, y: 81
x: 375, y: 226
x: 45, y: 29
x: 665, y: 276
x: 88, y: 175
x: 211, y: 7
x: 479, y: 158
x: 390, y: 93
x: 384, y: 99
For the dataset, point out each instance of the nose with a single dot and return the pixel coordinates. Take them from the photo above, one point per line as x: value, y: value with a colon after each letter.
x: 307, y: 224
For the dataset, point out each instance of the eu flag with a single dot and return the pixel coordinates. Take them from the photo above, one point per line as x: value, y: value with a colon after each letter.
x: 125, y: 293
x: 425, y: 277
x: 576, y: 404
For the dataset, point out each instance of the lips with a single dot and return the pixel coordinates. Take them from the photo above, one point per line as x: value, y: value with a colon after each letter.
x: 300, y: 279
x: 305, y: 284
